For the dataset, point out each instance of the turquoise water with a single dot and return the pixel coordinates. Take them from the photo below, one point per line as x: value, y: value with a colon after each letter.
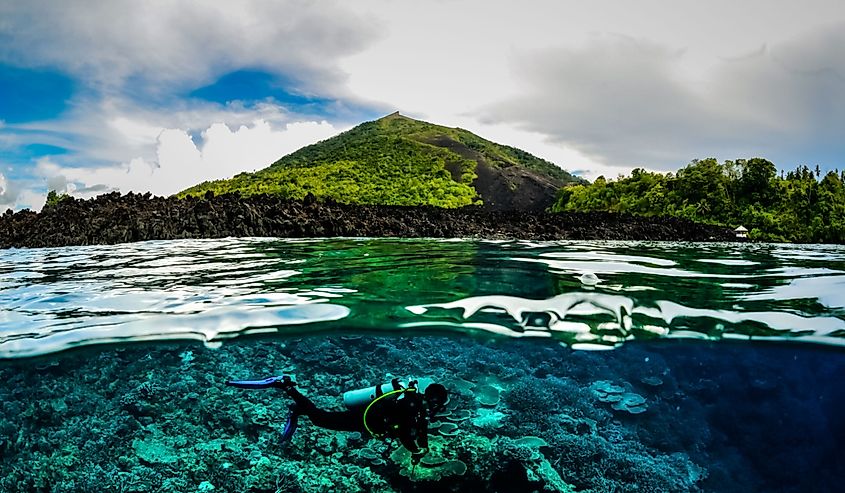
x: 590, y: 295
x: 725, y: 359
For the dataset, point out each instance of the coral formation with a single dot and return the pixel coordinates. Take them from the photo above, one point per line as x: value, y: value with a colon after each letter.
x: 487, y: 395
x: 632, y: 403
x: 618, y: 398
x: 144, y: 419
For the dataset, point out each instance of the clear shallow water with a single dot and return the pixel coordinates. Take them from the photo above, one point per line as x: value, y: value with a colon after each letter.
x: 213, y: 290
x: 717, y: 406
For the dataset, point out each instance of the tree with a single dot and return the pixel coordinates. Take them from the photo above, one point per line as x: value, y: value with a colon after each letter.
x: 704, y: 184
x: 831, y: 208
x: 755, y: 185
x: 54, y: 199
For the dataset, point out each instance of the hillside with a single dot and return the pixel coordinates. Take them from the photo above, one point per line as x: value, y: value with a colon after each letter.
x: 801, y: 206
x: 397, y: 160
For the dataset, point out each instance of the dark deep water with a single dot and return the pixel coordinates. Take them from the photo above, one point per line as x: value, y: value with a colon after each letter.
x: 724, y: 375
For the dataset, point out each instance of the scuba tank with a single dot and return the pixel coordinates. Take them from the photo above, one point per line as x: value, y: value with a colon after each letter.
x: 355, y: 399
x: 361, y: 397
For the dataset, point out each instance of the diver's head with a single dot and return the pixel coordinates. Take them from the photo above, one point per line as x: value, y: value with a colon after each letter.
x: 435, y: 398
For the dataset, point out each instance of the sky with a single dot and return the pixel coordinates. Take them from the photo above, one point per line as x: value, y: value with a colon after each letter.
x: 161, y: 95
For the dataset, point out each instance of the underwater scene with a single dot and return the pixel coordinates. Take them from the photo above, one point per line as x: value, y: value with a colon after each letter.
x: 270, y: 365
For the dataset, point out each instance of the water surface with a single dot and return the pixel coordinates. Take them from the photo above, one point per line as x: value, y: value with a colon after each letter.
x: 588, y: 295
x: 572, y: 366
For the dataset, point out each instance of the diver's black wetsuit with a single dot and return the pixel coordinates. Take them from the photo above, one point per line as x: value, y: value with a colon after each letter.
x: 402, y: 416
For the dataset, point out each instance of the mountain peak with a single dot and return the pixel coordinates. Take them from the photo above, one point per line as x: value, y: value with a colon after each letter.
x: 395, y: 116
x: 402, y: 161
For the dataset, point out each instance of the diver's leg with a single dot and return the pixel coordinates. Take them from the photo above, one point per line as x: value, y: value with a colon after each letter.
x: 332, y: 420
x: 303, y: 404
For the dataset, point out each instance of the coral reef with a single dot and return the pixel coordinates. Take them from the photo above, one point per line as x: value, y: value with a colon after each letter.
x: 144, y: 419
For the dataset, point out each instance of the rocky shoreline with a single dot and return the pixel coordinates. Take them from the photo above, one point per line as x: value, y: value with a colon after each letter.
x: 115, y: 218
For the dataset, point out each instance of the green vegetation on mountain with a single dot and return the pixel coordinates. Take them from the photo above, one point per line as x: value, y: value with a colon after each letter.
x: 394, y: 160
x: 802, y: 206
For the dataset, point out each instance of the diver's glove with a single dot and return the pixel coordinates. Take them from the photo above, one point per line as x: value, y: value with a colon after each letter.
x: 283, y: 382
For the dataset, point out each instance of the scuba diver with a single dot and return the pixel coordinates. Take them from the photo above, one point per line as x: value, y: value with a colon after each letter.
x: 384, y: 411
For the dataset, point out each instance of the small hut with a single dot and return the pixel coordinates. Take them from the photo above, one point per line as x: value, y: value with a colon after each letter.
x: 741, y: 232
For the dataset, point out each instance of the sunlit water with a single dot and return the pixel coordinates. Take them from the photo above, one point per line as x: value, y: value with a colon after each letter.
x: 589, y: 295
x: 726, y: 361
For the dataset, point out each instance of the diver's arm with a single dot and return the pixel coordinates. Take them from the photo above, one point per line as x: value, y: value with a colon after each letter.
x: 422, y: 434
x: 417, y: 438
x: 409, y: 443
x: 409, y: 436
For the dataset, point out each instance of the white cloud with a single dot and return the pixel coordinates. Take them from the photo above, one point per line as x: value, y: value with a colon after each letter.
x: 180, y: 43
x: 180, y: 163
x: 619, y: 83
x: 454, y: 56
x: 30, y: 199
x: 626, y: 102
x: 6, y: 197
x: 14, y: 195
x: 114, y: 130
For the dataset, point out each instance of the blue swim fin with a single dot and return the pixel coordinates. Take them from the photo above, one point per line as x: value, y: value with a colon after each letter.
x: 290, y: 426
x: 280, y: 381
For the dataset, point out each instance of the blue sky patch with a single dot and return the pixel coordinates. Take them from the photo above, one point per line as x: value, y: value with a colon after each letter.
x: 253, y: 85
x: 38, y: 150
x: 30, y: 95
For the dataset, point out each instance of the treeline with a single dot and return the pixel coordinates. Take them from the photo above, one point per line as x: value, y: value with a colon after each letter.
x: 800, y: 206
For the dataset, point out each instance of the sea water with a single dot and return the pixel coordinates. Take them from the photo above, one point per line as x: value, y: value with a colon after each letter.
x: 572, y: 366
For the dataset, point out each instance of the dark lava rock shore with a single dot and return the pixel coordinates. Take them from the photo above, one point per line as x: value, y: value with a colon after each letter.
x: 115, y: 218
